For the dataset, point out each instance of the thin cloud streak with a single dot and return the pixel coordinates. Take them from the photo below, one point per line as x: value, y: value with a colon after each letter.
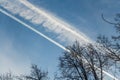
x: 10, y: 56
x: 54, y: 42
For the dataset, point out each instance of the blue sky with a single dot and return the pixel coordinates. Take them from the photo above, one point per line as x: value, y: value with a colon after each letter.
x: 20, y: 47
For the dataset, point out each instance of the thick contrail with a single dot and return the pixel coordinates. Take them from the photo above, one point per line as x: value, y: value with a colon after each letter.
x: 37, y: 16
x: 49, y: 39
x: 52, y: 19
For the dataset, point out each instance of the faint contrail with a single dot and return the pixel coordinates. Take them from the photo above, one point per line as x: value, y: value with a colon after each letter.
x: 39, y: 16
x: 49, y: 39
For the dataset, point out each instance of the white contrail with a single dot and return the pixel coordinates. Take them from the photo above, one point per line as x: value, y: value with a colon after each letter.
x: 49, y: 39
x: 39, y: 16
x: 31, y: 28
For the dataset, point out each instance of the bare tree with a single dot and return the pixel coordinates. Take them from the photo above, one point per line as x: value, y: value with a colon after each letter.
x: 7, y: 76
x: 37, y: 74
x: 82, y: 68
x: 112, y: 44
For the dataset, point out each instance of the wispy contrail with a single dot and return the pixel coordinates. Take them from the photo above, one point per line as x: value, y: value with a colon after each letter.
x: 54, y: 42
x: 39, y: 16
x: 55, y: 21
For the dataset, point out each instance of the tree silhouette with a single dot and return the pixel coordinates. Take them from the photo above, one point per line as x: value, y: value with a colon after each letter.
x: 37, y: 74
x: 81, y: 62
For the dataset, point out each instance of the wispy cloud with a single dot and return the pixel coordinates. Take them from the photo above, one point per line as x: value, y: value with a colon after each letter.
x: 10, y: 58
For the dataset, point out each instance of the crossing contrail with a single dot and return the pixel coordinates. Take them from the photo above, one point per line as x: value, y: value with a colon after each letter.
x: 49, y: 39
x: 38, y: 16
